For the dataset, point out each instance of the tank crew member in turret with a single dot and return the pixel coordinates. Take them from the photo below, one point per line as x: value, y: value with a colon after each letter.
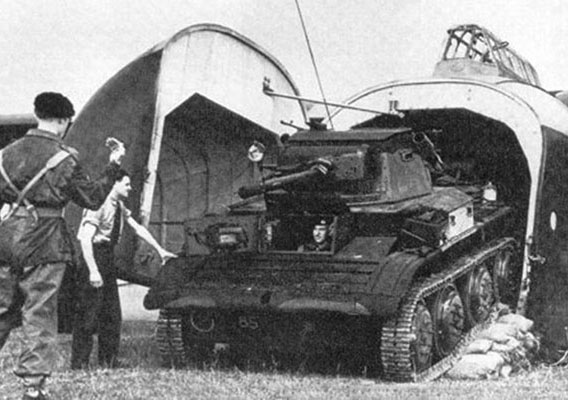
x: 321, y: 235
x: 39, y: 176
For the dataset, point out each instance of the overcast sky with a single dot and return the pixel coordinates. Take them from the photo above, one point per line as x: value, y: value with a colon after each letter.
x: 74, y: 46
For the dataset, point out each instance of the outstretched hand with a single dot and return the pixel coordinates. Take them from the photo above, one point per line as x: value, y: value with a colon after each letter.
x: 167, y: 255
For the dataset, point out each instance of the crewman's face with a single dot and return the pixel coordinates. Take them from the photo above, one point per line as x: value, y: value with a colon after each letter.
x: 320, y: 233
x: 122, y: 187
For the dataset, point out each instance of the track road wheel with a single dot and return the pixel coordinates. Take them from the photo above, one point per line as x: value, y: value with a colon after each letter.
x: 422, y: 336
x: 504, y: 277
x: 478, y: 295
x: 448, y: 320
x: 169, y: 335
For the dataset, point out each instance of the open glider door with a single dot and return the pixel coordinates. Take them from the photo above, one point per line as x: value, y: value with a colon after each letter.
x: 187, y: 110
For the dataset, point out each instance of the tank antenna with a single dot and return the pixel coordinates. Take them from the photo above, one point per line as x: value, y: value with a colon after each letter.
x: 314, y: 62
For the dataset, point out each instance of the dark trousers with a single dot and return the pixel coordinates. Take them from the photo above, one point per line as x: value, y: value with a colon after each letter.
x: 98, y: 311
x: 29, y: 296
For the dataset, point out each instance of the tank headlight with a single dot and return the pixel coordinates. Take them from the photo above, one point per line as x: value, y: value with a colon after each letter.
x: 256, y: 152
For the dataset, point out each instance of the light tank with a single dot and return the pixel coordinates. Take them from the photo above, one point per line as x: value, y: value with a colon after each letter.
x: 413, y: 255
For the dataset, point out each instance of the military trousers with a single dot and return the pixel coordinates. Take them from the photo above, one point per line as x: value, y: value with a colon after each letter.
x: 28, y: 296
x: 98, y: 312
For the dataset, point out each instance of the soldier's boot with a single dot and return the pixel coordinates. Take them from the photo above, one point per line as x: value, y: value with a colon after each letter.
x: 34, y: 393
x: 34, y: 389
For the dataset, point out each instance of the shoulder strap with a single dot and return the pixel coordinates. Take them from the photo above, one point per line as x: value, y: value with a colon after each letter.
x: 12, y: 186
x: 53, y: 162
x: 5, y: 174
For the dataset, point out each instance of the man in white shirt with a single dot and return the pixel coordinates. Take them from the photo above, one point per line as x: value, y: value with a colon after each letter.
x: 99, y: 304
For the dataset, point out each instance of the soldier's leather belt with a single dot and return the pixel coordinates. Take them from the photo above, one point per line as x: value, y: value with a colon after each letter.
x: 41, y: 212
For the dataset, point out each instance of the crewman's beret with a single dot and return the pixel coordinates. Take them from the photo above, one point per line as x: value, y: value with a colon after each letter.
x: 49, y: 105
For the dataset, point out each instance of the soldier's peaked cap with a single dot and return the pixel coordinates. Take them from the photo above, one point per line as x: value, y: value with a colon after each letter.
x: 53, y: 105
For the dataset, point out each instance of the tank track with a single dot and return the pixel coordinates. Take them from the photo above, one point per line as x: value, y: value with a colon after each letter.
x: 169, y: 336
x: 397, y: 335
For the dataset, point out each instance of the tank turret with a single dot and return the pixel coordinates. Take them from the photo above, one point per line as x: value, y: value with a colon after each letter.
x: 321, y: 170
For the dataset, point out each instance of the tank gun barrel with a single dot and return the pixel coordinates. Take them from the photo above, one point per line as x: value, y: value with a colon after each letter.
x: 319, y: 168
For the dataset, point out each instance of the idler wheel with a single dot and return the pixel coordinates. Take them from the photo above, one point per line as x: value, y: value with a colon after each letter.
x: 478, y: 295
x: 422, y: 338
x: 448, y: 319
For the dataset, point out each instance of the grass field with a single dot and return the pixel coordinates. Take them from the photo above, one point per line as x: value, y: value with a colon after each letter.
x: 143, y: 378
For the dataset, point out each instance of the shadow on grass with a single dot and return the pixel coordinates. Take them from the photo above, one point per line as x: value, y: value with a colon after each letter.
x: 138, y: 349
x: 230, y: 375
x: 336, y: 363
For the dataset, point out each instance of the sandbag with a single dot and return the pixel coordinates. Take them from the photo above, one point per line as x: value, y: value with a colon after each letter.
x: 506, y: 347
x: 522, y: 323
x: 530, y: 342
x: 505, y: 371
x: 477, y: 366
x: 500, y: 332
x: 478, y: 346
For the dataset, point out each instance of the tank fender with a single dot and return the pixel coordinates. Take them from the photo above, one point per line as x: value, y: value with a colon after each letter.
x: 390, y: 281
x: 171, y: 279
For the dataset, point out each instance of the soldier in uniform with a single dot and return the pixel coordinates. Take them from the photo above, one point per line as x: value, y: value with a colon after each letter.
x: 39, y: 176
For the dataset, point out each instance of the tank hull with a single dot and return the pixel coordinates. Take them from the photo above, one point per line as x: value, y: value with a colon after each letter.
x: 321, y: 303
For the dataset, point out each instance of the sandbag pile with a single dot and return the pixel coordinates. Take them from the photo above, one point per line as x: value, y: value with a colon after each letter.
x: 504, y: 347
